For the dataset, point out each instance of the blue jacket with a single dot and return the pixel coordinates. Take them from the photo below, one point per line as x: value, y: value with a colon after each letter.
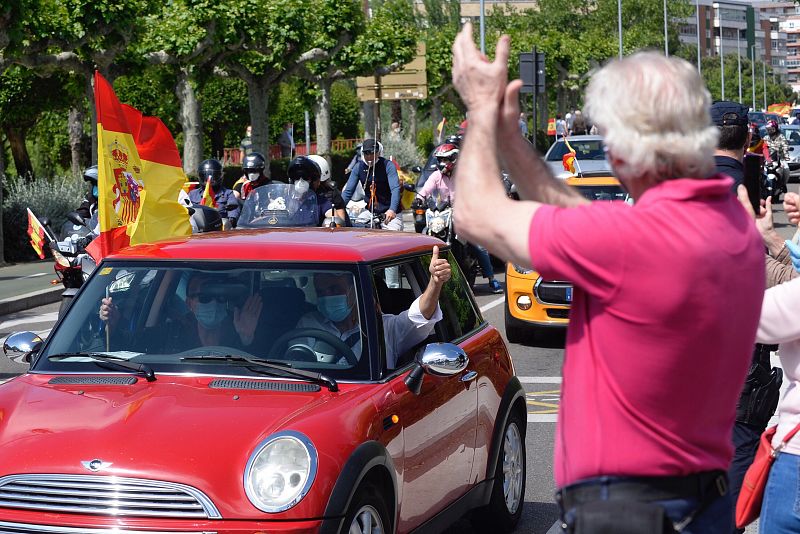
x: 227, y: 203
x: 387, y: 185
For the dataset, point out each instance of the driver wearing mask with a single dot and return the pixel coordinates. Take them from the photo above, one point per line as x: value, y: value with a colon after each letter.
x: 213, y: 319
x: 254, y: 167
x: 89, y: 204
x: 337, y: 313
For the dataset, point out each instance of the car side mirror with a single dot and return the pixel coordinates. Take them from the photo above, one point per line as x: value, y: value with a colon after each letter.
x: 75, y: 218
x: 19, y: 346
x: 417, y: 169
x: 438, y: 359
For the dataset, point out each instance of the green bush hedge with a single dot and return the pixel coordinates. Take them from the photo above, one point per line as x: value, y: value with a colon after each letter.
x: 52, y: 198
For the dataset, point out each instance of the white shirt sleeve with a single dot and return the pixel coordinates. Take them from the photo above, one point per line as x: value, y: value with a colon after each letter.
x: 407, y: 329
x: 780, y: 314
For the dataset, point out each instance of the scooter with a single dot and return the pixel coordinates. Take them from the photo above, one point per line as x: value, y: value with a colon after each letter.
x: 439, y: 223
x: 73, y: 265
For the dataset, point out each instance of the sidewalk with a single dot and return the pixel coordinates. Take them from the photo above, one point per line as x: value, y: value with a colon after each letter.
x: 27, y: 285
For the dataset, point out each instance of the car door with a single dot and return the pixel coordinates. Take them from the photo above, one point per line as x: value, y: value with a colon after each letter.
x: 439, y: 424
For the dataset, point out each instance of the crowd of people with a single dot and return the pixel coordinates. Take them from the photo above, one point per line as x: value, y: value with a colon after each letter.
x: 661, y: 380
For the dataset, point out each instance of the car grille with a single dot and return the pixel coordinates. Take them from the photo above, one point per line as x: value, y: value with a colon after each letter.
x: 553, y: 292
x: 104, y: 495
x: 557, y: 313
x: 26, y: 528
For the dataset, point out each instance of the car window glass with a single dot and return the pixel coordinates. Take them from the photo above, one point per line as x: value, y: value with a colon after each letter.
x: 459, y: 314
x: 306, y: 318
x: 588, y: 149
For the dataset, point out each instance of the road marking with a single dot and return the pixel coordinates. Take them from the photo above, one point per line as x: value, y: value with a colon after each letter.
x: 555, y: 529
x: 498, y: 301
x: 540, y: 379
x: 33, y: 275
x: 45, y: 317
x: 542, y: 417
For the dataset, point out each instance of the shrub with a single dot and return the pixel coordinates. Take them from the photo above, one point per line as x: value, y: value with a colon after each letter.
x: 403, y: 151
x: 425, y: 140
x: 52, y: 198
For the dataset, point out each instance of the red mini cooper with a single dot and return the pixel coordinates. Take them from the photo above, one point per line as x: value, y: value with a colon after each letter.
x: 257, y: 381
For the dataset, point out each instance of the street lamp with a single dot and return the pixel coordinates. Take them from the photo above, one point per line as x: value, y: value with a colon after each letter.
x: 753, y: 72
x: 721, y: 57
x: 483, y: 28
x: 697, y: 12
x: 619, y: 25
x: 764, y: 74
x: 666, y: 36
x: 739, y: 62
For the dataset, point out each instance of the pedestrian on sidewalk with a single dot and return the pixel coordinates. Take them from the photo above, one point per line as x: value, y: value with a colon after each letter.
x: 655, y: 359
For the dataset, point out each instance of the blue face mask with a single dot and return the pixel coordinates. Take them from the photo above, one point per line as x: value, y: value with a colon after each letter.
x: 335, y: 308
x: 94, y: 191
x: 211, y: 314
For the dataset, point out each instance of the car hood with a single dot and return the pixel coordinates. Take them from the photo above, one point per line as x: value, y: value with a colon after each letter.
x: 177, y: 429
x: 583, y: 165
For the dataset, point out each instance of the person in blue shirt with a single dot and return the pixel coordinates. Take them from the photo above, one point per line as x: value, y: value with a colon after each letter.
x: 373, y: 168
x: 225, y: 201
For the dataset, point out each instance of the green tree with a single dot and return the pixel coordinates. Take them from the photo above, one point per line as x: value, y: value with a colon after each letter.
x: 223, y: 101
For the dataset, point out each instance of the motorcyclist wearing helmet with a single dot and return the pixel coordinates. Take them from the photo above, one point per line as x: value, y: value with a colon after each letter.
x: 254, y: 167
x: 442, y: 180
x: 777, y: 144
x: 373, y: 168
x: 89, y: 204
x: 313, y: 173
x: 224, y: 200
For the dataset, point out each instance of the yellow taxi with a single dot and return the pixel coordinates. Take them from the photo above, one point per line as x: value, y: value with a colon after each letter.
x: 534, y: 304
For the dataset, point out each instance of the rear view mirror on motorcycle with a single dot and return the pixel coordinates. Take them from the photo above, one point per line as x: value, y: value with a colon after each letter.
x: 75, y: 218
x: 409, y: 187
x: 417, y: 169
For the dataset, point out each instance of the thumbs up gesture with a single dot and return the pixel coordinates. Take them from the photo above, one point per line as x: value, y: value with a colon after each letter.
x: 440, y: 268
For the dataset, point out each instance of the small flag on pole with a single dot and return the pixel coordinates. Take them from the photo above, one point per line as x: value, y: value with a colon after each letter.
x: 440, y: 130
x: 38, y: 234
x: 568, y: 159
x: 208, y: 196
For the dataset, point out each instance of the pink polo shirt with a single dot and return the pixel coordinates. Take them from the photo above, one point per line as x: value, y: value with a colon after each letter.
x: 666, y: 304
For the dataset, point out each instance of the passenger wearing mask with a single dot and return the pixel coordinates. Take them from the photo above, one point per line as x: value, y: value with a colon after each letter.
x: 89, y: 204
x: 219, y: 197
x: 213, y: 318
x: 374, y: 169
x: 313, y: 173
x: 254, y: 168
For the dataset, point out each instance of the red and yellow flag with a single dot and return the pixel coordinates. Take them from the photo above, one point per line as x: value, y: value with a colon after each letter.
x: 139, y: 176
x: 782, y: 108
x: 208, y: 196
x: 439, y: 130
x: 568, y: 159
x: 551, y: 126
x: 38, y: 234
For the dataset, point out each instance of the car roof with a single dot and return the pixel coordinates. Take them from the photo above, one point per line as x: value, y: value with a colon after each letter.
x: 582, y: 138
x: 343, y: 245
x: 592, y: 180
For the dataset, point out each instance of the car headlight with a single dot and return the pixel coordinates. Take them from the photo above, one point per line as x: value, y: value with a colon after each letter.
x: 437, y: 225
x: 522, y: 270
x: 280, y: 471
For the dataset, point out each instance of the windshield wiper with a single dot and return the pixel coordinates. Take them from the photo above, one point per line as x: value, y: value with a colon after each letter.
x: 274, y: 368
x: 108, y: 361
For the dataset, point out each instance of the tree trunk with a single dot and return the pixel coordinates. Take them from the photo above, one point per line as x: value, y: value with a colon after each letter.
x: 75, y: 128
x: 369, y: 119
x: 397, y: 111
x: 217, y: 143
x: 258, y: 97
x: 411, y: 120
x: 191, y: 122
x: 2, y: 179
x: 22, y: 161
x: 436, y: 118
x: 322, y: 118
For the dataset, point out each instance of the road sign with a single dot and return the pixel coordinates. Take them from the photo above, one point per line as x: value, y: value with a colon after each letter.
x: 408, y: 83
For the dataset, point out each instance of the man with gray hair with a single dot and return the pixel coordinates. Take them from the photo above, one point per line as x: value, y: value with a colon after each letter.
x: 667, y: 292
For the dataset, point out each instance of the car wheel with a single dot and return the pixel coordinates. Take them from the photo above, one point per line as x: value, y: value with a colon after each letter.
x: 368, y: 513
x: 508, y: 493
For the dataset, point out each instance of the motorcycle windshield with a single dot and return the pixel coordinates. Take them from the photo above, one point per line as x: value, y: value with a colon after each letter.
x: 277, y: 205
x: 438, y: 200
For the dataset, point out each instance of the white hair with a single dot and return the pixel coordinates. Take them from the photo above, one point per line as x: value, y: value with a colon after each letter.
x: 653, y: 113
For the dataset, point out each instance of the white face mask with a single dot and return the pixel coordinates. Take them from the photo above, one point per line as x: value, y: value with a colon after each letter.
x: 300, y: 187
x: 253, y: 176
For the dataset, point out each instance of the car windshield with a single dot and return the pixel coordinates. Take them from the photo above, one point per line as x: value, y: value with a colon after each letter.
x: 757, y: 117
x: 170, y: 315
x: 276, y: 205
x: 792, y: 135
x: 584, y: 150
x: 602, y: 192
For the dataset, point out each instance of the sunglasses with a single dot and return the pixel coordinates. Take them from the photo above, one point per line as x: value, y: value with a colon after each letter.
x: 205, y: 298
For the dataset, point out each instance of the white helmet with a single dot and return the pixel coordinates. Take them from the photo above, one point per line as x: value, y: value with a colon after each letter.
x: 324, y: 168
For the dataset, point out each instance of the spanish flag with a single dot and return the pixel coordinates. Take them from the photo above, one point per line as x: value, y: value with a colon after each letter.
x: 139, y: 176
x: 38, y: 234
x: 782, y: 108
x: 208, y: 196
x: 439, y: 130
x: 568, y: 159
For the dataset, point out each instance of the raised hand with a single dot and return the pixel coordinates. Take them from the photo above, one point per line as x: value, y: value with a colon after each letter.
x: 480, y: 83
x: 440, y: 268
x: 108, y: 312
x: 245, y: 319
x: 791, y: 205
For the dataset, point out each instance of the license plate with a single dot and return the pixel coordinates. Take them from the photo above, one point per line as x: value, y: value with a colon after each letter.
x: 569, y: 294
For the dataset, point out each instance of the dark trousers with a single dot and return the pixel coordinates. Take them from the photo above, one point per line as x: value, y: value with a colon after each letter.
x: 745, y: 443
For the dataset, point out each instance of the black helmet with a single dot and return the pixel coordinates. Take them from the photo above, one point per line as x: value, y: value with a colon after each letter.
x: 304, y: 168
x: 90, y: 174
x: 253, y: 163
x: 454, y: 140
x: 211, y: 169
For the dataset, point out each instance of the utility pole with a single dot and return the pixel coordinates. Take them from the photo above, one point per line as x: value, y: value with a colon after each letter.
x: 753, y: 72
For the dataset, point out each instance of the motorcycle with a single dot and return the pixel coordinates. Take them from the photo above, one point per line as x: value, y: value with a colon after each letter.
x: 73, y: 265
x: 278, y: 205
x: 439, y: 223
x: 772, y: 182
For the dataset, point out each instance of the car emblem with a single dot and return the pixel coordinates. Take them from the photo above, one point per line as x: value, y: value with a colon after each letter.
x: 95, y: 465
x: 273, y: 220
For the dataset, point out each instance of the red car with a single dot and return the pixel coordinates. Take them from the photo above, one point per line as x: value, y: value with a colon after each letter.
x: 142, y: 421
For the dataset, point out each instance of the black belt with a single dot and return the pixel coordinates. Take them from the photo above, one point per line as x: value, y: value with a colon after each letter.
x: 705, y: 486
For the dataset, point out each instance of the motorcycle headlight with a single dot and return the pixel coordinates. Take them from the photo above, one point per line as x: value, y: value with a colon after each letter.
x: 437, y: 225
x: 60, y: 259
x: 280, y: 471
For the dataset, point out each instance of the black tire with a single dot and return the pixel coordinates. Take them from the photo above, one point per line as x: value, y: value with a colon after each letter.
x: 496, y: 517
x: 368, y: 499
x: 65, y: 302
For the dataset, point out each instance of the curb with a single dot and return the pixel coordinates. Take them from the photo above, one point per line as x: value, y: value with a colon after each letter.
x: 31, y: 300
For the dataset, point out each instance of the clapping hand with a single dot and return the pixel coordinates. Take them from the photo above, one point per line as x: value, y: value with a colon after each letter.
x: 440, y: 268
x: 791, y: 205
